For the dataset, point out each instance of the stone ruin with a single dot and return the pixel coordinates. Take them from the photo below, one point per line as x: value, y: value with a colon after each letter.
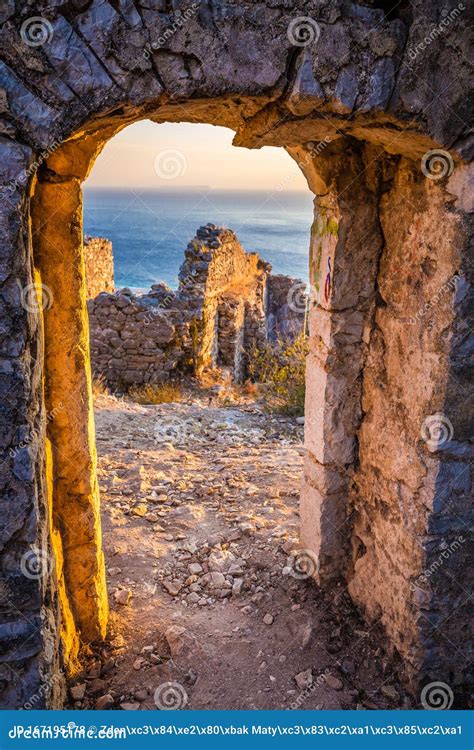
x: 227, y: 303
x: 99, y: 263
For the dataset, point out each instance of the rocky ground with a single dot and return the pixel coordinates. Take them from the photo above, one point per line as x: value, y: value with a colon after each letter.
x: 211, y: 606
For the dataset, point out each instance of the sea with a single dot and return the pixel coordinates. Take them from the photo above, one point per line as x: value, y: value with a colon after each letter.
x: 150, y: 229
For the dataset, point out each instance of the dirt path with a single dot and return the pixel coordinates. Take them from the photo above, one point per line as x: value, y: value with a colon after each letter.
x: 200, y: 523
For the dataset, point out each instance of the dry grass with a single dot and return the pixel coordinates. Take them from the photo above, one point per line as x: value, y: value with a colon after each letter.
x: 250, y: 389
x: 164, y: 393
x: 99, y: 386
x: 211, y: 377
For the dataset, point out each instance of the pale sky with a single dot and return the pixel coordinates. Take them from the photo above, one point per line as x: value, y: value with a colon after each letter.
x: 181, y: 154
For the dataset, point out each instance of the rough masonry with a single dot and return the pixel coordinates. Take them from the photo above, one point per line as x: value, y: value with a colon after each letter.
x: 227, y: 303
x: 374, y: 107
x: 99, y: 263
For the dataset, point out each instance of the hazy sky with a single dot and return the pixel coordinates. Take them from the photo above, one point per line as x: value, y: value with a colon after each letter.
x: 183, y: 154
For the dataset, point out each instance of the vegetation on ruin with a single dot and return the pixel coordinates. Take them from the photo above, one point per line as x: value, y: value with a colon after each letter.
x: 154, y: 393
x: 280, y: 368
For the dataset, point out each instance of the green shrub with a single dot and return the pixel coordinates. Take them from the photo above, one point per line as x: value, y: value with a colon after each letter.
x: 280, y: 368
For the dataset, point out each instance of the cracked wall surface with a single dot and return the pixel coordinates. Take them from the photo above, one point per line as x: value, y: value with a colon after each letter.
x: 359, y: 100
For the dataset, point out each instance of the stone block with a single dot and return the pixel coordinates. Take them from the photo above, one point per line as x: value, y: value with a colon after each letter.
x: 326, y: 478
x: 329, y: 418
x: 325, y: 529
x: 306, y: 93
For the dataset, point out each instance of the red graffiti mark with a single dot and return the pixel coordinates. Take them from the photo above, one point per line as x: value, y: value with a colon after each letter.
x: 327, y: 283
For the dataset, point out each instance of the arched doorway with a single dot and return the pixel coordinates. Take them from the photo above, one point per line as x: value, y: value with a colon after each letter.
x: 378, y: 519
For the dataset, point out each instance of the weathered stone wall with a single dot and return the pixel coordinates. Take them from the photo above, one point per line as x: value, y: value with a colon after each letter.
x: 72, y: 458
x: 378, y: 348
x: 345, y: 246
x: 30, y: 616
x: 216, y: 263
x: 411, y: 488
x: 132, y: 342
x: 286, y: 307
x: 378, y: 352
x: 99, y: 262
x: 231, y: 330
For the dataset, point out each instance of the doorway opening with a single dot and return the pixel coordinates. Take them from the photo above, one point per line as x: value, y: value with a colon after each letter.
x: 199, y: 492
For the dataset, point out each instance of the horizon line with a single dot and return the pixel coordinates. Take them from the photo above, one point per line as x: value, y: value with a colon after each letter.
x: 195, y: 187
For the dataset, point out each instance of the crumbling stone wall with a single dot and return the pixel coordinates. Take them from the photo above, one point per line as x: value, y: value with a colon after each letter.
x: 413, y: 482
x: 216, y: 315
x: 377, y: 351
x: 216, y: 263
x: 132, y: 342
x: 99, y: 262
x: 231, y: 334
x: 368, y: 109
x: 286, y: 307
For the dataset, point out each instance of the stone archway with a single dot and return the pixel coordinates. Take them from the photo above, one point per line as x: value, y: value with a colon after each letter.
x: 383, y: 493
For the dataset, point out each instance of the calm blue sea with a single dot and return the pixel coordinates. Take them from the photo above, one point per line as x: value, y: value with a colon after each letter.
x: 150, y: 229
